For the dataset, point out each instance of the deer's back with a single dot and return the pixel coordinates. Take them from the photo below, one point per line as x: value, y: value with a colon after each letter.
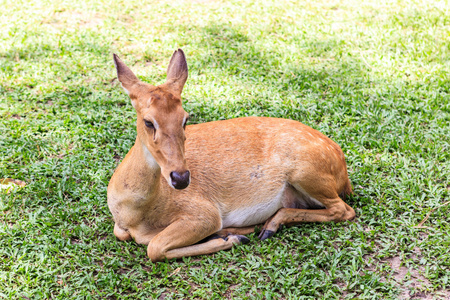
x: 248, y: 162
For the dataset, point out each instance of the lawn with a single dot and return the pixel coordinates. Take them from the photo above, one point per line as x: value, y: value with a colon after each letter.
x: 372, y: 75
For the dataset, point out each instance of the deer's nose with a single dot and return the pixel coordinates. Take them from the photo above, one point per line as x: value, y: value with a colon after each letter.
x: 180, y: 180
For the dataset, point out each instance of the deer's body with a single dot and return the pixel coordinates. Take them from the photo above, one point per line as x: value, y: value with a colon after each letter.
x: 243, y: 172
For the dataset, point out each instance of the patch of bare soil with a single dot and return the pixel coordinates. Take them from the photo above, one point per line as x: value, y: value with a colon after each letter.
x: 229, y: 292
x: 74, y: 20
x: 412, y: 283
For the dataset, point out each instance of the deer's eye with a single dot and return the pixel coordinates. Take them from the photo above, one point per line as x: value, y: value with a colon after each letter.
x: 185, y: 121
x: 149, y: 124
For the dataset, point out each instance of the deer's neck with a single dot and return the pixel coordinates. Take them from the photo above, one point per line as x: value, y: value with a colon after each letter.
x: 148, y: 158
x: 149, y: 171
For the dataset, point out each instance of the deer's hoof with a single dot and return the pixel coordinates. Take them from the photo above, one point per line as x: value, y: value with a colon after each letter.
x: 265, y: 234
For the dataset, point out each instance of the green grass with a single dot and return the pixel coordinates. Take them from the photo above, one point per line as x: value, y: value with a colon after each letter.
x: 372, y: 76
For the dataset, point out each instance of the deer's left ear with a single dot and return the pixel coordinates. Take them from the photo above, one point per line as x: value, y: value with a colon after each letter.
x: 177, y: 72
x: 125, y: 75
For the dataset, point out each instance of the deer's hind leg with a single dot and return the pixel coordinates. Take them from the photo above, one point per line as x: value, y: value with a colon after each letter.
x: 237, y: 230
x: 318, y: 202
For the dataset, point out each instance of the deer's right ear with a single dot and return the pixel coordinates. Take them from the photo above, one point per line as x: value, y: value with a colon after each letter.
x: 177, y: 72
x: 125, y: 75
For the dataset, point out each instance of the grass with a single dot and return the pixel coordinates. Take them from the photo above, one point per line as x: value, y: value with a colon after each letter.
x: 374, y: 76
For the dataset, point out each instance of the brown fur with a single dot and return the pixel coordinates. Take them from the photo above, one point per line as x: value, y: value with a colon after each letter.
x: 347, y: 190
x: 243, y: 171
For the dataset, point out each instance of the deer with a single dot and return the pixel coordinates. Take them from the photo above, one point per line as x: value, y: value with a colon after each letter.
x: 190, y: 190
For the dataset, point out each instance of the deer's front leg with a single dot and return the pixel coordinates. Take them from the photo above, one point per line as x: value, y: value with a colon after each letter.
x: 178, y: 239
x: 121, y: 234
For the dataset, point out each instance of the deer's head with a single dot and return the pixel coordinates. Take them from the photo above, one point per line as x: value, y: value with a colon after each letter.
x: 161, y: 120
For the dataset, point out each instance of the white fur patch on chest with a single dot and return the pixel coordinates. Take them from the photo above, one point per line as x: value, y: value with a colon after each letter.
x: 149, y: 158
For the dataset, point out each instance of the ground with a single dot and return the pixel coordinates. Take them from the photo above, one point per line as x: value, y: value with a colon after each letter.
x: 371, y: 75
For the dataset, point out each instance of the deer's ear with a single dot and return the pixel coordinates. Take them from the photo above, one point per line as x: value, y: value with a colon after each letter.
x: 177, y: 72
x: 125, y: 75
